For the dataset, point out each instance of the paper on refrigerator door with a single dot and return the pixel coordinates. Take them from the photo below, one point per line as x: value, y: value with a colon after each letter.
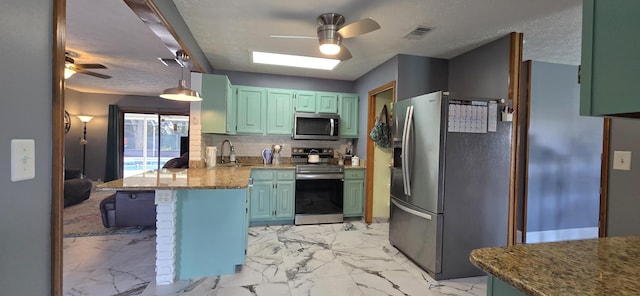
x: 467, y: 117
x: 493, y: 116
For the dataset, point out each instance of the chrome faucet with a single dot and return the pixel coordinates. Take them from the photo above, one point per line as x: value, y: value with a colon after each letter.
x: 231, y: 152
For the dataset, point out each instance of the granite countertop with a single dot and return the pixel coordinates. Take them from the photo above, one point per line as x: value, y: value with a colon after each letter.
x: 220, y: 177
x: 604, y: 266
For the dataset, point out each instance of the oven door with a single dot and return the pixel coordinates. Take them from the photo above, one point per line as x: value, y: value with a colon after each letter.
x: 319, y: 201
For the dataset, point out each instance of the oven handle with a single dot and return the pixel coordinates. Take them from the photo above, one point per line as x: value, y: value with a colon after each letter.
x: 320, y: 177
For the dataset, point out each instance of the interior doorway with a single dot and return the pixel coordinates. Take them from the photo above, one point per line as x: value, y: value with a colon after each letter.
x: 378, y: 159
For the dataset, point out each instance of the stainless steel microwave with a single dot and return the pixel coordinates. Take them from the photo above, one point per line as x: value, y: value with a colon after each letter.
x: 314, y: 126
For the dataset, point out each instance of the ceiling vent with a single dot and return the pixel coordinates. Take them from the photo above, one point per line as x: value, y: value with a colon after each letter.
x: 418, y: 32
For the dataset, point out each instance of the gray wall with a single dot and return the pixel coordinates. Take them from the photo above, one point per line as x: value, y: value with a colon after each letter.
x: 482, y: 72
x: 97, y: 105
x: 283, y: 81
x: 624, y: 188
x: 564, y: 153
x: 421, y: 75
x: 414, y: 75
x: 25, y: 214
x: 381, y: 75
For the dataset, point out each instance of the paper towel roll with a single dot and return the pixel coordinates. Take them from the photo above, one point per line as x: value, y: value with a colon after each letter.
x: 210, y: 156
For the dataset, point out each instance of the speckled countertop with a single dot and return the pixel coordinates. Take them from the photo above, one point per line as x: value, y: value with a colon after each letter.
x: 220, y: 177
x: 605, y: 266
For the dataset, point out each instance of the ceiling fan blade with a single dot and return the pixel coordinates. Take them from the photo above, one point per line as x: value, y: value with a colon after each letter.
x: 293, y: 37
x: 344, y: 53
x: 90, y: 66
x: 360, y: 27
x: 103, y: 76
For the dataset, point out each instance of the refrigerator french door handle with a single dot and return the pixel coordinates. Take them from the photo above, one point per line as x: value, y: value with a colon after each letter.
x: 405, y: 176
x: 411, y: 211
x: 409, y: 124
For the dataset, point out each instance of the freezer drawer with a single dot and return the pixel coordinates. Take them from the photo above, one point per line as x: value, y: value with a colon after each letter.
x: 417, y: 234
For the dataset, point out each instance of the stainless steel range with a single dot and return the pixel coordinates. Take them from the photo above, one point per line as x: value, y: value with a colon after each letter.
x: 319, y: 186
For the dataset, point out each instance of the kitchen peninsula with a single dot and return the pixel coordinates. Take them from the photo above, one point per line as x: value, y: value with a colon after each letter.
x: 201, y: 220
x: 604, y: 266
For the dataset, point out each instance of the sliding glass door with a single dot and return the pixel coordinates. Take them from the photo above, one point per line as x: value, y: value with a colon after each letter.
x: 150, y: 140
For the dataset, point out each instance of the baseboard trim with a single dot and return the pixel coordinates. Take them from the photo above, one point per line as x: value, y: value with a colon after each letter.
x: 561, y: 235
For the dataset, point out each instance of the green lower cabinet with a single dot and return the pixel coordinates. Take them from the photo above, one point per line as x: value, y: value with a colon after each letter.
x: 353, y: 193
x: 260, y: 200
x: 496, y: 287
x: 284, y: 200
x: 271, y: 197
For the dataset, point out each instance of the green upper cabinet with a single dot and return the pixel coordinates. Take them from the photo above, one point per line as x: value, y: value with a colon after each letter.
x: 610, y: 64
x: 348, y: 111
x: 326, y: 102
x: 216, y: 114
x: 251, y: 112
x: 279, y: 111
x: 305, y: 101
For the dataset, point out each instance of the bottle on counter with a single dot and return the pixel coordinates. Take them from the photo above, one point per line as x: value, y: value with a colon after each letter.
x: 355, y: 161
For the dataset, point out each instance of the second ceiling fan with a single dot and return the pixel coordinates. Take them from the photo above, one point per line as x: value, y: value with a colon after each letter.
x: 332, y: 30
x: 70, y: 67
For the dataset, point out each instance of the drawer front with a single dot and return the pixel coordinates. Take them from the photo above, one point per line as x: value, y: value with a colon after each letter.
x: 353, y: 174
x: 285, y: 175
x: 262, y: 174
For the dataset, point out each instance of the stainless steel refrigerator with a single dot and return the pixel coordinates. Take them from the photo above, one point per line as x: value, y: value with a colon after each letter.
x: 450, y: 181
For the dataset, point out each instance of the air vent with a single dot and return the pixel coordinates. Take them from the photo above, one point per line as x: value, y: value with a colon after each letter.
x: 417, y: 33
x: 171, y: 62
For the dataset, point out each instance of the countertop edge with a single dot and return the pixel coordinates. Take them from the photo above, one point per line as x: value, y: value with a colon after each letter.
x: 521, y: 286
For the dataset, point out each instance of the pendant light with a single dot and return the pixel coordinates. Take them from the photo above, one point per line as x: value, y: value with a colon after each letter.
x: 182, y: 92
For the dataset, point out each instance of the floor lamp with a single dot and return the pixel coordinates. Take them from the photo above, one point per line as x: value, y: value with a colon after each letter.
x: 83, y: 141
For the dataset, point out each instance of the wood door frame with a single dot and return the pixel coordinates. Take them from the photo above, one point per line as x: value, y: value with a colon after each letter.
x: 371, y: 120
x: 604, y: 177
x: 515, y: 66
x: 57, y: 143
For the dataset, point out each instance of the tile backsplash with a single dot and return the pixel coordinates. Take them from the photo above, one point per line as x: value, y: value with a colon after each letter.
x: 248, y: 145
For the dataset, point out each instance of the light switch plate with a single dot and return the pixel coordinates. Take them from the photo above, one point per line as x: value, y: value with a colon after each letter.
x: 622, y: 160
x: 23, y: 163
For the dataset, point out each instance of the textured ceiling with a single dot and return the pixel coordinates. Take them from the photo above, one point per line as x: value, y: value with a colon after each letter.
x: 228, y: 30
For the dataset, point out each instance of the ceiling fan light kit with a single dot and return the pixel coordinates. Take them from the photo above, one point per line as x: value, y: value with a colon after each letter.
x: 68, y: 72
x: 330, y: 40
x: 182, y: 92
x: 332, y: 30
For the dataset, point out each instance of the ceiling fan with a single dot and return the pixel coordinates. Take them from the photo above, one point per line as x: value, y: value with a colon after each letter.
x: 331, y: 31
x: 70, y: 67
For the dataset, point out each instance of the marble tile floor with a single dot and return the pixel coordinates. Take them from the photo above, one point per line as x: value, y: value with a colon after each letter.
x: 350, y: 258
